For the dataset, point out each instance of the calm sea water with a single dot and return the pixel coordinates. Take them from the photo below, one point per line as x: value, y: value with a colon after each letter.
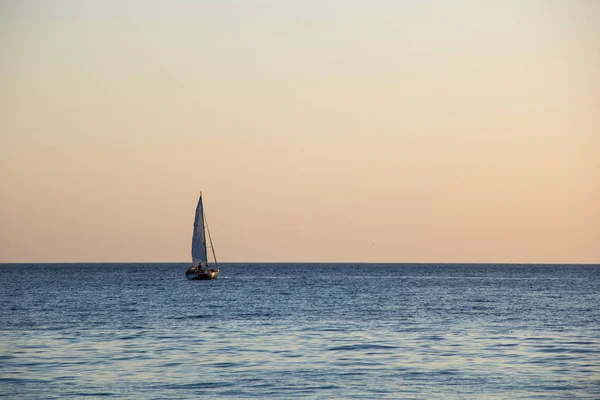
x: 300, y: 331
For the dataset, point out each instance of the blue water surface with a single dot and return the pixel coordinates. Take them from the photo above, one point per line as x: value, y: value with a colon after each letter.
x: 416, y: 331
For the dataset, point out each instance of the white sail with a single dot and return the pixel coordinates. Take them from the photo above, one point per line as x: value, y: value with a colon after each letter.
x: 199, y: 255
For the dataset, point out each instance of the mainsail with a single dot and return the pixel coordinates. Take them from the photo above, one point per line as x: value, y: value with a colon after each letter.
x: 199, y: 256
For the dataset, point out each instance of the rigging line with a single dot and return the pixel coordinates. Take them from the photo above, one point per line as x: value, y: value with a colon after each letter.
x: 210, y: 238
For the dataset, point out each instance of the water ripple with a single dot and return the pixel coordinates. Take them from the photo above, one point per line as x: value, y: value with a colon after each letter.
x: 400, y: 331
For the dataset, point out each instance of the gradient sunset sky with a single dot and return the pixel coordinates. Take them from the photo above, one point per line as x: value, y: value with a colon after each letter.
x: 358, y: 131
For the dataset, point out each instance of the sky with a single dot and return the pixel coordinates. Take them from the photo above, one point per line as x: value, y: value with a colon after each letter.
x: 332, y: 130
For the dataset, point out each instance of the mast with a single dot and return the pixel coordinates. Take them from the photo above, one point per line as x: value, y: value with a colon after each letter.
x: 199, y: 254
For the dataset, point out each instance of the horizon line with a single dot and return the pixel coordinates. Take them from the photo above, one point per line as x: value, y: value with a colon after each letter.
x: 306, y: 262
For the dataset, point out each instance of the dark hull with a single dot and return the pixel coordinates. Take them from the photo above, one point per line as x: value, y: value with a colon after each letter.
x: 193, y: 275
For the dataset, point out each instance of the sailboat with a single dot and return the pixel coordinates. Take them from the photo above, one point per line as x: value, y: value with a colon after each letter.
x: 200, y: 269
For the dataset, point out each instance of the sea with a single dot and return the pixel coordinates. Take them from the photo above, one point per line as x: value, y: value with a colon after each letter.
x: 298, y: 330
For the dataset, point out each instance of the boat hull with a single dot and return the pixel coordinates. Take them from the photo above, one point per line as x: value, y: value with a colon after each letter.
x: 203, y: 275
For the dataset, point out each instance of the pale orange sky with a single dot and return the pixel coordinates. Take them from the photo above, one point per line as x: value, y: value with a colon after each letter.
x: 387, y: 131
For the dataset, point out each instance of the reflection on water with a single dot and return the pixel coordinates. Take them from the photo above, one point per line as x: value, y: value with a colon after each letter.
x: 403, y: 331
